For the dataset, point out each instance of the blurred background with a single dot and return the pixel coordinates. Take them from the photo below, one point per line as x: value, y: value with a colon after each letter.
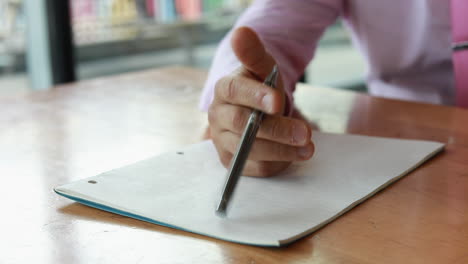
x: 41, y: 44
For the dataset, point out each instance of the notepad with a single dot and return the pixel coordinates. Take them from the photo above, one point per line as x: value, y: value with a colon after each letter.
x: 179, y: 189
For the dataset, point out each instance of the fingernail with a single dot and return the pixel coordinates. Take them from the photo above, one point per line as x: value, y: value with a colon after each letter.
x: 267, y: 102
x: 300, y: 134
x: 305, y: 152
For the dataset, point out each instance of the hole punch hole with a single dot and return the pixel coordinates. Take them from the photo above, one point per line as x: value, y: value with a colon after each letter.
x: 180, y: 152
x: 92, y: 181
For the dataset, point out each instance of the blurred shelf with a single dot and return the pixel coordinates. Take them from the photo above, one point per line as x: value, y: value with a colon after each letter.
x: 152, y: 37
x: 139, y: 38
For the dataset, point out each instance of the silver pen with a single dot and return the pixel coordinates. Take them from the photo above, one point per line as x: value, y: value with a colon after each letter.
x: 243, y: 150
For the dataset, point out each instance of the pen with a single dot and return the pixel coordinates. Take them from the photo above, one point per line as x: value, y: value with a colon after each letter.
x: 243, y: 150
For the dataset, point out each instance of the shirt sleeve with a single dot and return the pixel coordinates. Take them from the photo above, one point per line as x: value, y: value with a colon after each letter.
x: 289, y: 29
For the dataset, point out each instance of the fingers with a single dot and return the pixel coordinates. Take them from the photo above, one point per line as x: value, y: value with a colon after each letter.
x: 256, y: 168
x: 264, y: 168
x: 251, y: 53
x: 278, y: 129
x: 265, y: 150
x: 280, y: 140
x: 244, y: 87
x: 239, y: 90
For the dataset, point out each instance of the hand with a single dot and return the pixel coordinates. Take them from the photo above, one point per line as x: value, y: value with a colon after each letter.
x: 280, y: 140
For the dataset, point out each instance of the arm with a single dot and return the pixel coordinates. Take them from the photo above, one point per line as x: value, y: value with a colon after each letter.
x: 289, y: 30
x: 287, y: 34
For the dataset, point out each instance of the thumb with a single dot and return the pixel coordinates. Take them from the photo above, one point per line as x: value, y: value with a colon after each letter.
x: 251, y: 53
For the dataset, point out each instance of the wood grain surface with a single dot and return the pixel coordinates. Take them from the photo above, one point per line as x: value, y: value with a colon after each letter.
x: 82, y: 129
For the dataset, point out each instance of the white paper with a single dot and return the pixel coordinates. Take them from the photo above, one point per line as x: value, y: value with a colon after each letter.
x: 181, y: 190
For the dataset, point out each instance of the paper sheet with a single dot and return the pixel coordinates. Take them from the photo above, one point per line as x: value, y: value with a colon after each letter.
x: 181, y: 190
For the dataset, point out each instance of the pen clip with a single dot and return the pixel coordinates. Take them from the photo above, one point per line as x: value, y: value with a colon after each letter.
x: 271, y: 79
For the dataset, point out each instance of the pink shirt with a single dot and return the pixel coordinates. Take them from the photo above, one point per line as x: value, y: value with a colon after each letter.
x: 406, y: 43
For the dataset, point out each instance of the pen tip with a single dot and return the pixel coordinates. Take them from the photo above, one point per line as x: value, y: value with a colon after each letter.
x: 221, y: 209
x: 272, y: 77
x: 221, y: 214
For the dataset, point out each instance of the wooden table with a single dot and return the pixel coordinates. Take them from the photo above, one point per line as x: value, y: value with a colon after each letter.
x: 79, y: 130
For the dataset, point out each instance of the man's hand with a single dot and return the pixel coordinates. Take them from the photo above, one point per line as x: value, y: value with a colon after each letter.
x: 280, y: 140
